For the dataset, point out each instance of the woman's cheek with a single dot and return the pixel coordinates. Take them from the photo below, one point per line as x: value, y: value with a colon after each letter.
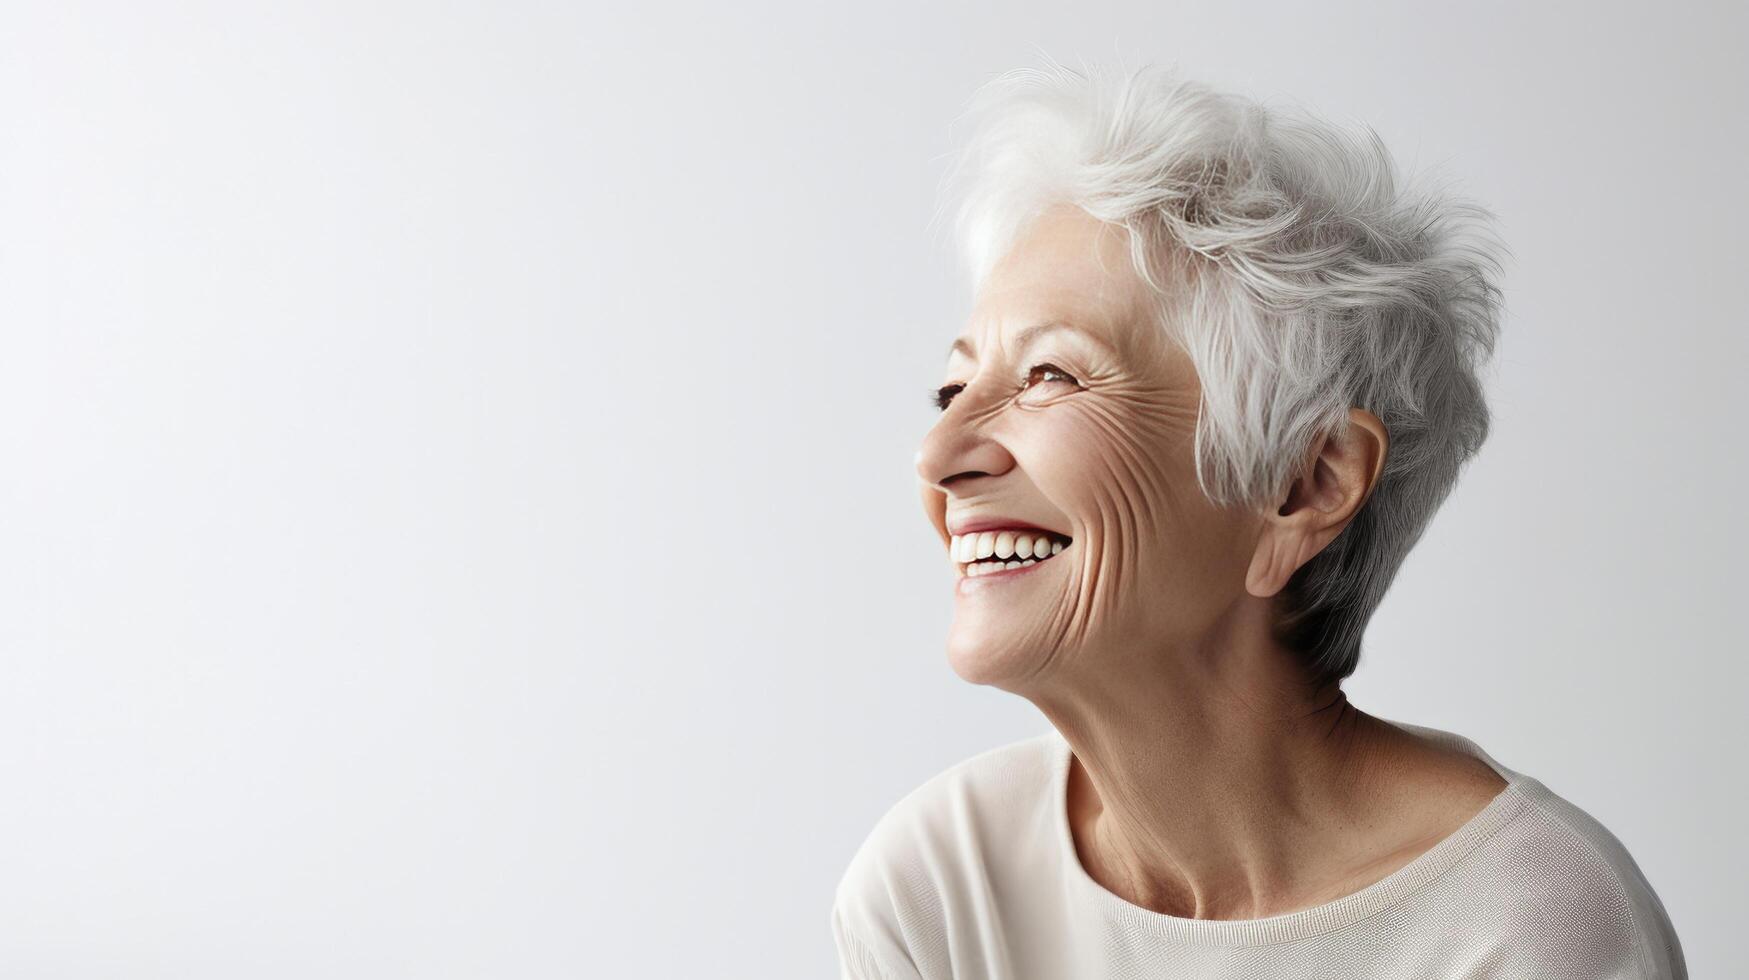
x: 1110, y: 454
x: 1118, y: 474
x: 1051, y: 447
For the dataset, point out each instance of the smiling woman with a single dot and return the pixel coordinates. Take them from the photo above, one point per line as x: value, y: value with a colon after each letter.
x: 1219, y: 374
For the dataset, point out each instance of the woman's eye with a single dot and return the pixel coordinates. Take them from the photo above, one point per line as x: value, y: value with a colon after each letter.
x: 1049, y: 372
x: 1039, y: 374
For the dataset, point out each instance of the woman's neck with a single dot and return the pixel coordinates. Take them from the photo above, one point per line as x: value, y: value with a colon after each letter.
x: 1225, y: 792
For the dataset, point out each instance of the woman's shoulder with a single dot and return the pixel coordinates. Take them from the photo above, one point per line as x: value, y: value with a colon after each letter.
x: 981, y: 796
x: 990, y: 782
x: 989, y: 807
x: 1552, y: 863
x: 1576, y: 868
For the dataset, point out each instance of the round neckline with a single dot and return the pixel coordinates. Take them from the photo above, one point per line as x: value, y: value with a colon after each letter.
x: 1302, y: 923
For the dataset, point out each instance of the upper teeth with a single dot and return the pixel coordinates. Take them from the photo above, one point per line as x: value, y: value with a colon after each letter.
x: 1004, y: 544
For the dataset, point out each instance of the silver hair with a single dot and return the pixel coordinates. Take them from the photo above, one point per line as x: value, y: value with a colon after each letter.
x: 1295, y: 273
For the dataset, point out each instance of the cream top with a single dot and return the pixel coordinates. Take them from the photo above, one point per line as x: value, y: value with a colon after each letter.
x: 974, y: 875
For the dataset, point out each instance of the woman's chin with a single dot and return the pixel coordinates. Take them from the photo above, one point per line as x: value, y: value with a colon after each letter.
x: 987, y: 657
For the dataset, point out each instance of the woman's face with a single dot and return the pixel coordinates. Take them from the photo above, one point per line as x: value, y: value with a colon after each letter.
x: 1085, y: 430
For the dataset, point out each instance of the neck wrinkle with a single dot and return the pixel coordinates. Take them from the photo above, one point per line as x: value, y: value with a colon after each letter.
x: 1218, y: 796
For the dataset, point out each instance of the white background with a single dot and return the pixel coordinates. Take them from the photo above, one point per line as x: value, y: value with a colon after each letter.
x: 457, y: 500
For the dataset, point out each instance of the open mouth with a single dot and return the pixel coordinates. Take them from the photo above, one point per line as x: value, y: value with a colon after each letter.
x: 984, y: 552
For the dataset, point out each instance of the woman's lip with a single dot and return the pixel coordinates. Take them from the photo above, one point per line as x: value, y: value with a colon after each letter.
x: 969, y: 583
x: 972, y: 583
x: 998, y: 524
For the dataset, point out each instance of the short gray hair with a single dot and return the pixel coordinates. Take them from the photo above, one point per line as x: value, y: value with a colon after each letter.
x: 1307, y: 283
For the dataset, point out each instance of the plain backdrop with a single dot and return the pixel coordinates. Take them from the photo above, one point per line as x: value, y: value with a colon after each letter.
x: 456, y: 487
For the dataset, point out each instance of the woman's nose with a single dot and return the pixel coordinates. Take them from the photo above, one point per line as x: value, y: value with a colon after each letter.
x: 956, y: 452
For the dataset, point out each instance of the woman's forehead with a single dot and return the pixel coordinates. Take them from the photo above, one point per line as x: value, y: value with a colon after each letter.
x: 1009, y: 325
x: 1068, y: 270
x: 1019, y: 339
x: 1068, y: 252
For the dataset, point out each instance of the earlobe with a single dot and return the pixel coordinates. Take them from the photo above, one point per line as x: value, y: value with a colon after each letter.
x: 1256, y: 575
x: 1265, y: 577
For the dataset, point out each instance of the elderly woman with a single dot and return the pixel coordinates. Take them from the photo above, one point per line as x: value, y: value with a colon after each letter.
x: 1219, y: 373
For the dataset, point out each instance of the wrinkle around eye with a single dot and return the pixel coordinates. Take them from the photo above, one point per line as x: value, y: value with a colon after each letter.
x: 1047, y: 393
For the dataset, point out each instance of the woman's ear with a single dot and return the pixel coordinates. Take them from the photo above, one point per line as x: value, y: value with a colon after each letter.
x: 1339, y: 477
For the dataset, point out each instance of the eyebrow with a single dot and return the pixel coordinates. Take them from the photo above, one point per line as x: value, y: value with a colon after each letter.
x: 1028, y: 335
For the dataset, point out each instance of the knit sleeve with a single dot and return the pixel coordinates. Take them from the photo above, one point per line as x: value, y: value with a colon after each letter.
x: 858, y: 960
x: 1613, y: 888
x: 1658, y: 949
